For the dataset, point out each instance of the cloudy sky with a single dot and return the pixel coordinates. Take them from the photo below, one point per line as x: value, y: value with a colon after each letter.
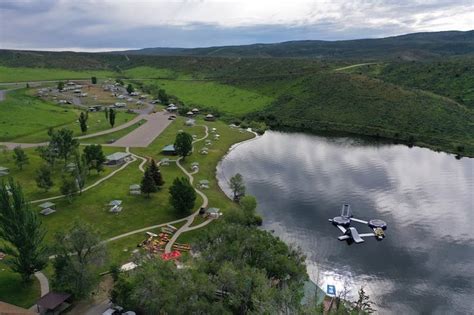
x: 95, y: 25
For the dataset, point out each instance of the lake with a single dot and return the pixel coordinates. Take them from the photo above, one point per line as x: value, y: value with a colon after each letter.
x: 426, y: 262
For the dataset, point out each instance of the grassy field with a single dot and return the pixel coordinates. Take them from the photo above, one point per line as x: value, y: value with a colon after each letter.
x: 13, y: 291
x: 103, y: 139
x: 26, y: 177
x: 25, y: 118
x: 213, y: 95
x: 8, y: 74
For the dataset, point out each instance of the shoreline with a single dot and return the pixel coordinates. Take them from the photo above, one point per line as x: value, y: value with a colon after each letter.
x: 233, y: 147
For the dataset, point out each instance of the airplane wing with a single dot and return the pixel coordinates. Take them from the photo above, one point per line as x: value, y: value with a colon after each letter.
x: 343, y: 229
x: 366, y: 234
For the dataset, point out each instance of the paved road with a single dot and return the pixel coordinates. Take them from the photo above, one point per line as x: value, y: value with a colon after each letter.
x: 2, y: 95
x: 146, y: 133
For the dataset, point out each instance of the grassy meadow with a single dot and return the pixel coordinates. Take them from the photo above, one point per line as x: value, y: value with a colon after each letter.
x: 13, y: 291
x: 9, y: 74
x: 25, y: 118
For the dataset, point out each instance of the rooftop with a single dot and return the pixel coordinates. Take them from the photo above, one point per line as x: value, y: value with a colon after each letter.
x: 52, y: 300
x: 47, y: 204
x: 169, y: 147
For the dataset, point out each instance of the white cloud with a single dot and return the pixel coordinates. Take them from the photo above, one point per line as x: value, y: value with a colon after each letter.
x: 84, y: 23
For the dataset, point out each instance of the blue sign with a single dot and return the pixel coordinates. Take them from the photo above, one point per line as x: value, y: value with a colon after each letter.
x: 331, y: 290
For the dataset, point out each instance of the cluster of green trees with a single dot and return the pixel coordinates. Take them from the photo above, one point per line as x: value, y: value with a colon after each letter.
x: 152, y: 180
x: 62, y: 147
x: 240, y: 270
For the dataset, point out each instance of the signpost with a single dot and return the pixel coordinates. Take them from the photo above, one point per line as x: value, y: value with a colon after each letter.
x: 331, y: 290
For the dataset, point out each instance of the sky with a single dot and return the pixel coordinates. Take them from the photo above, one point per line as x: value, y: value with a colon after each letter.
x: 102, y: 25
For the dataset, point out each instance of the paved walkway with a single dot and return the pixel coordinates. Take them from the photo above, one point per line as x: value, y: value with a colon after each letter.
x: 144, y: 135
x: 189, y: 220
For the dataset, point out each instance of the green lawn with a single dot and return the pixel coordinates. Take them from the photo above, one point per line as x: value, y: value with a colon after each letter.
x: 212, y: 95
x: 25, y: 118
x: 8, y: 74
x: 26, y: 177
x: 13, y: 291
x: 114, y: 135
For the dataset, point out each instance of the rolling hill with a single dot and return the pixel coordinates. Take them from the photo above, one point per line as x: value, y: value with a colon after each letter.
x: 405, y: 47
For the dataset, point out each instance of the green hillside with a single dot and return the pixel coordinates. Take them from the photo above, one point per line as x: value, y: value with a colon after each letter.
x: 452, y: 77
x: 354, y: 103
x: 415, y: 46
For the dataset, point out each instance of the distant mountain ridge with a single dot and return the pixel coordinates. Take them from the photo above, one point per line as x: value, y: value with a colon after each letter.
x: 414, y: 46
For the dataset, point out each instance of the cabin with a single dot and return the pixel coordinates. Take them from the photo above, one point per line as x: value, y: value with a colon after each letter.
x: 190, y: 122
x: 209, y: 117
x: 195, y: 166
x: 120, y: 105
x: 165, y: 162
x: 195, y: 110
x: 190, y: 113
x: 169, y: 150
x: 118, y: 158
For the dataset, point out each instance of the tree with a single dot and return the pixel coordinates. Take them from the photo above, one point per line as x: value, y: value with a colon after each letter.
x: 182, y: 195
x: 20, y: 157
x: 60, y: 85
x: 112, y: 117
x: 363, y: 305
x: 80, y: 172
x: 48, y: 153
x: 83, y: 122
x: 94, y: 80
x: 163, y: 97
x: 183, y: 144
x: 156, y: 174
x: 237, y: 186
x: 79, y: 254
x: 68, y: 187
x: 43, y: 178
x: 27, y: 85
x: 94, y: 157
x: 130, y: 89
x: 106, y: 111
x: 148, y: 184
x: 64, y: 143
x: 22, y: 232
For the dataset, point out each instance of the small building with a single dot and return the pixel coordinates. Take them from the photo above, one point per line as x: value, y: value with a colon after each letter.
x: 195, y: 110
x: 71, y: 167
x: 208, y: 142
x: 120, y: 105
x: 190, y: 113
x: 165, y: 162
x: 77, y: 91
x: 213, y: 130
x: 4, y: 171
x: 169, y: 150
x: 213, y: 213
x: 204, y: 151
x: 209, y: 117
x: 195, y: 166
x: 118, y: 158
x: 204, y: 184
x: 53, y: 303
x: 135, y: 189
x: 121, y: 96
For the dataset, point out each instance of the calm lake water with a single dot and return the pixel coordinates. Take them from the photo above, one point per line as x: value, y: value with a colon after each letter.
x: 426, y: 262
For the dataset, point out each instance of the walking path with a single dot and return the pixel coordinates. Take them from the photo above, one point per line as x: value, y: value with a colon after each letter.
x: 189, y: 220
x: 356, y: 65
